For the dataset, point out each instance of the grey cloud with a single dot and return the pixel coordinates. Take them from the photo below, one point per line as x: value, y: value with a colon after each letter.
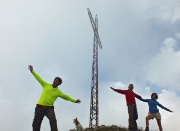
x: 57, y: 39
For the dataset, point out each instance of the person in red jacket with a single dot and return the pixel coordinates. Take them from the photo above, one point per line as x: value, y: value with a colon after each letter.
x: 131, y: 104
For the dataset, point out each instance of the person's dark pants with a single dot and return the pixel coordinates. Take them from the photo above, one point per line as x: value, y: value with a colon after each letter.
x: 133, y: 116
x: 39, y: 114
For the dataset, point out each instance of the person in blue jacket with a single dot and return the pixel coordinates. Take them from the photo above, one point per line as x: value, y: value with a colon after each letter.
x: 154, y: 111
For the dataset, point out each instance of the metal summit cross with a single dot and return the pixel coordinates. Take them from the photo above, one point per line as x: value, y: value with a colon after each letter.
x: 94, y: 108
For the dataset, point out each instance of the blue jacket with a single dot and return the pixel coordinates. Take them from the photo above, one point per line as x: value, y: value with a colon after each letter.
x: 153, y: 105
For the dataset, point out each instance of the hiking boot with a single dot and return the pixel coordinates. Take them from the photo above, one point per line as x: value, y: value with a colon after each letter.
x: 147, y: 129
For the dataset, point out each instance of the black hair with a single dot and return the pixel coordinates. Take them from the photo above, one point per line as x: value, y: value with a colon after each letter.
x: 154, y: 94
x: 131, y: 85
x: 59, y: 79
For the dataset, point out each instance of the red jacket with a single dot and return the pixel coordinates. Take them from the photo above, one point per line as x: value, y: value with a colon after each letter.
x: 130, y: 96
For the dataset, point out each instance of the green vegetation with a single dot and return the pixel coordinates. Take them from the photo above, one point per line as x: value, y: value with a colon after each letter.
x: 111, y: 128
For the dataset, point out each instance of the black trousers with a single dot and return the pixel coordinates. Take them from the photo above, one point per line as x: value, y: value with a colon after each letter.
x: 133, y: 116
x: 39, y: 114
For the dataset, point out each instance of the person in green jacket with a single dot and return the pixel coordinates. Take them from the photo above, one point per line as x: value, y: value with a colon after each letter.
x: 45, y: 104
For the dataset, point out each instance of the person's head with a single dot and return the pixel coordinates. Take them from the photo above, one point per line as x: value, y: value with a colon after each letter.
x: 130, y: 87
x: 57, y: 81
x: 154, y: 96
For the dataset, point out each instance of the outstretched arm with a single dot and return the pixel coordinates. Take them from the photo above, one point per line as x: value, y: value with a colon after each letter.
x: 68, y: 98
x: 118, y: 90
x: 38, y: 78
x: 137, y: 96
x: 144, y: 100
x: 164, y: 107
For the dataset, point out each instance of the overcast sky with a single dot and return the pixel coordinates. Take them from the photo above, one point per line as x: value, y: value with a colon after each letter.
x: 140, y: 45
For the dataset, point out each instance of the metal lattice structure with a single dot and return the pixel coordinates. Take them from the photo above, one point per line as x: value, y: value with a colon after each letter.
x: 94, y: 108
